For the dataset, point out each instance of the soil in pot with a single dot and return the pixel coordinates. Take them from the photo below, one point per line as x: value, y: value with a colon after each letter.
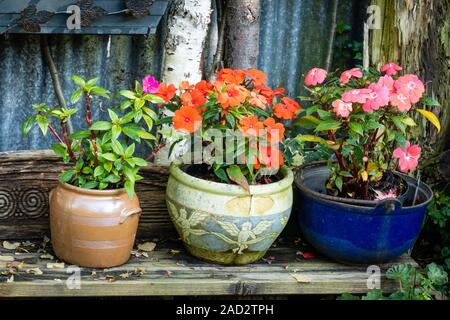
x: 223, y: 223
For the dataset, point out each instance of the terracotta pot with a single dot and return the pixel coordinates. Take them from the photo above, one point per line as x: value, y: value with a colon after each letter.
x: 93, y: 228
x: 222, y: 223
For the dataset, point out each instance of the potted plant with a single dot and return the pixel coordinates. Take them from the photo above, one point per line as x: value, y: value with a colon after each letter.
x: 357, y: 208
x: 94, y: 211
x: 231, y: 195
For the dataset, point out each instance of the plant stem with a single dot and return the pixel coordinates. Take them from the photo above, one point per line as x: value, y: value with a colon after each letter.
x: 158, y: 147
x: 55, y: 133
x: 87, y: 99
x: 67, y: 141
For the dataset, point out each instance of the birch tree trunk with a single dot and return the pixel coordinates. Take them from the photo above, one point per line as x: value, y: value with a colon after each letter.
x: 187, y: 31
x: 415, y: 34
x: 242, y: 34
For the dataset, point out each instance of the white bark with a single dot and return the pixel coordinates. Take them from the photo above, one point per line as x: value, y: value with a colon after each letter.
x: 187, y: 31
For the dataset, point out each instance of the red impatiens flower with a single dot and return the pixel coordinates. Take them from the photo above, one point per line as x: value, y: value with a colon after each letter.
x: 231, y: 76
x: 274, y: 130
x: 258, y: 77
x: 233, y: 95
x: 352, y: 73
x: 167, y: 92
x: 251, y: 126
x: 187, y: 119
x: 271, y: 157
x: 409, y: 158
x: 286, y: 111
x: 315, y: 76
x: 193, y: 99
x: 258, y: 100
x: 391, y: 69
x: 410, y: 86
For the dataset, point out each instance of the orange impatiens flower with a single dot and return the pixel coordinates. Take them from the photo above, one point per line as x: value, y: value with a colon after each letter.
x: 167, y: 92
x: 231, y: 76
x: 258, y: 77
x: 204, y: 86
x: 232, y: 96
x: 257, y: 100
x: 187, y: 119
x: 193, y: 99
x: 274, y: 130
x: 269, y: 93
x: 251, y: 126
x: 271, y: 157
x: 287, y: 109
x: 184, y: 85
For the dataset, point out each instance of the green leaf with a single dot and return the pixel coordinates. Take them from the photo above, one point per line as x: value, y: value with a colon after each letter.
x: 66, y: 176
x: 339, y: 183
x: 221, y: 174
x: 436, y: 274
x: 117, y: 147
x: 81, y: 134
x: 310, y: 138
x: 348, y: 296
x: 409, y: 121
x: 103, y: 185
x: 230, y: 119
x: 128, y: 94
x: 43, y: 123
x: 100, y: 92
x: 399, y: 123
x: 60, y: 149
x: 235, y: 174
x: 357, y: 127
x: 27, y: 125
x: 90, y: 185
x: 140, y: 162
x: 116, y: 130
x: 112, y: 178
x: 131, y: 132
x: 148, y: 120
x: 427, y: 101
x: 139, y: 103
x: 112, y: 115
x: 78, y: 81
x: 130, y: 151
x: 98, y: 171
x: 108, y: 166
x: 92, y: 82
x: 137, y: 87
x: 101, y: 126
x: 153, y: 98
x: 328, y: 125
x: 146, y: 135
x: 152, y: 114
x: 129, y: 187
x: 109, y: 156
x: 76, y: 96
x: 375, y: 294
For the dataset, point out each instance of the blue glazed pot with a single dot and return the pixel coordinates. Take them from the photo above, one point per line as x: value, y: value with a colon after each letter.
x: 363, y: 232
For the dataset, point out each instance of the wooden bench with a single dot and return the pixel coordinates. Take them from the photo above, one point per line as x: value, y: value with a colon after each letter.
x: 30, y: 270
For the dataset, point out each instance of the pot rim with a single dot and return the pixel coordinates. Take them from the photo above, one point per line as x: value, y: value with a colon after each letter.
x: 96, y: 192
x: 370, y: 204
x: 230, y: 189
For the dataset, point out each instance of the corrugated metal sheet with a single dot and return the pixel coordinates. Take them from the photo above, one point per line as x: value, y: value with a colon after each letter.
x: 293, y: 39
x: 117, y: 22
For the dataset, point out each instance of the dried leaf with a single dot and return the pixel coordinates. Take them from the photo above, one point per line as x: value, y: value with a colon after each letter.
x: 89, y: 12
x: 10, y: 246
x: 301, y: 278
x: 35, y: 271
x: 6, y: 258
x: 147, y: 246
x: 124, y: 275
x: 145, y: 254
x: 46, y: 256
x: 55, y: 265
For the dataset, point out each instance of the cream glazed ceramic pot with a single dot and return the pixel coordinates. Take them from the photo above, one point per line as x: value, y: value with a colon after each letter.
x: 222, y: 223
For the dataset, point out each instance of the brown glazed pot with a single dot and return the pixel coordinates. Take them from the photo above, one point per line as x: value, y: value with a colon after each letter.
x: 93, y: 228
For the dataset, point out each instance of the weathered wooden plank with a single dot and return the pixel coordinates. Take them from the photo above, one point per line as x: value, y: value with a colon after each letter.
x: 164, y: 273
x: 26, y: 178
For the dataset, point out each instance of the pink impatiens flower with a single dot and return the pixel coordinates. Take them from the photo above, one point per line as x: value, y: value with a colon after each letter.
x: 409, y: 158
x: 315, y: 76
x: 347, y: 75
x: 341, y: 108
x: 379, y: 97
x: 150, y: 84
x: 400, y: 101
x: 388, y: 82
x: 411, y: 86
x: 356, y: 95
x: 391, y: 69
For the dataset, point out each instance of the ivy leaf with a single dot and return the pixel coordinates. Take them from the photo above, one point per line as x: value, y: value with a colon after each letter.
x: 235, y: 174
